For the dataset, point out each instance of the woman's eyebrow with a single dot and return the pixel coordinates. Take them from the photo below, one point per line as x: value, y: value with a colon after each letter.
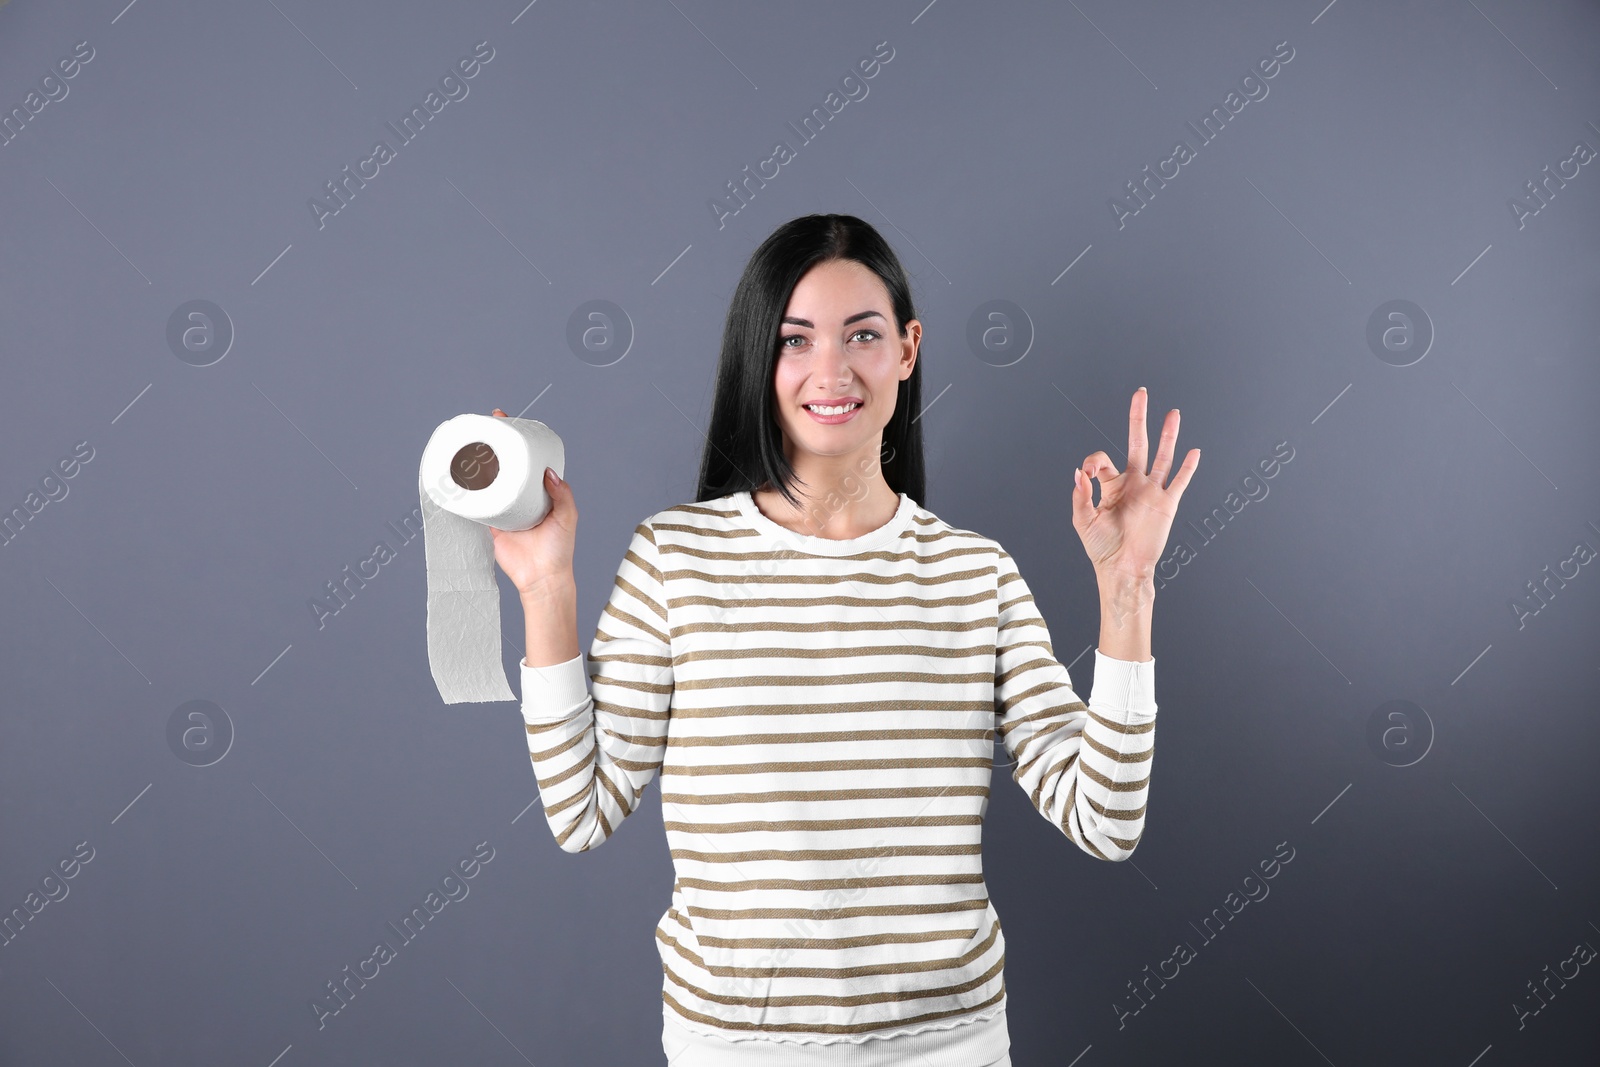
x: 808, y: 324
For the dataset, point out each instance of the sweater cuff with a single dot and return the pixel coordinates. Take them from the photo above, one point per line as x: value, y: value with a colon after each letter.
x: 1124, y: 685
x: 554, y: 693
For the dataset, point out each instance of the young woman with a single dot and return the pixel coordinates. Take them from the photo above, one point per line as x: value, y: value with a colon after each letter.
x: 817, y: 667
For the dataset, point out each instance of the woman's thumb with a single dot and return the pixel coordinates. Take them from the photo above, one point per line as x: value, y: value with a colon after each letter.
x: 560, y: 492
x: 1082, y: 499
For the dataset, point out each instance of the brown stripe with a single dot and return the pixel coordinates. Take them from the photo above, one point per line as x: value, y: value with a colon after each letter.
x: 739, y: 534
x: 643, y: 530
x: 550, y: 753
x: 812, y: 885
x: 698, y: 552
x: 1027, y: 665
x: 853, y: 577
x: 644, y: 740
x: 784, y: 626
x: 1024, y: 752
x: 626, y: 710
x: 552, y: 810
x: 701, y: 509
x: 548, y: 780
x: 1121, y: 728
x: 1117, y: 757
x: 948, y: 963
x: 744, y: 533
x: 807, y: 737
x: 826, y: 944
x: 1116, y: 787
x: 722, y: 654
x: 786, y: 681
x: 834, y: 708
x: 636, y: 765
x: 822, y: 825
x: 1052, y: 778
x: 781, y: 795
x: 860, y: 1028
x: 1013, y: 651
x: 826, y: 854
x: 1124, y: 814
x: 819, y: 766
x: 1048, y: 777
x: 627, y: 620
x: 546, y: 726
x: 663, y: 688
x: 611, y: 787
x: 827, y: 914
x: 1014, y: 699
x: 634, y: 591
x: 1010, y: 725
x: 924, y: 603
x: 640, y: 658
x: 1071, y: 817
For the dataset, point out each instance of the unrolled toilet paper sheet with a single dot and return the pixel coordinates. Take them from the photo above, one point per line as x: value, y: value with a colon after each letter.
x: 464, y: 640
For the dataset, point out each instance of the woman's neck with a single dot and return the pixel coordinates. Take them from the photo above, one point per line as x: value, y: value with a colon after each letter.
x: 838, y: 510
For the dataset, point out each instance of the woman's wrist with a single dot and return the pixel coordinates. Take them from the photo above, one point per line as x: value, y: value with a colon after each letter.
x: 1126, y: 602
x: 553, y: 589
x: 550, y: 613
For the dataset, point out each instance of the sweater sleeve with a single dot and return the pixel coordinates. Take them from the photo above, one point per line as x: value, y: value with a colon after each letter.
x: 593, y: 755
x: 1085, y: 767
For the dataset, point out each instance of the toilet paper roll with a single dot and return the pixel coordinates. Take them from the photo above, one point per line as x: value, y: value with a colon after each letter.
x: 477, y: 471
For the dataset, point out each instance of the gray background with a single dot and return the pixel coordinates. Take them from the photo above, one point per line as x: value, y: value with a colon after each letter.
x: 1383, y: 564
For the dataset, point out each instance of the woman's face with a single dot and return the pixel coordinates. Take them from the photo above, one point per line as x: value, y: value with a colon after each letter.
x: 838, y: 347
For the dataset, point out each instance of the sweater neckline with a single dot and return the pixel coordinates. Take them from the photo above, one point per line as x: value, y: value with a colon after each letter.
x: 827, y: 546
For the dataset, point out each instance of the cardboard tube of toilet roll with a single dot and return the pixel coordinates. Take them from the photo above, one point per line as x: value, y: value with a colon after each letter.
x: 477, y: 471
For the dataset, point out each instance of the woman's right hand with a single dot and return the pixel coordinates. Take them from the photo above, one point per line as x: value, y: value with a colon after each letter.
x: 540, y: 559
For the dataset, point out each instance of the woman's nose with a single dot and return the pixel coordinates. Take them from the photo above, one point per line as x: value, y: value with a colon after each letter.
x: 833, y: 363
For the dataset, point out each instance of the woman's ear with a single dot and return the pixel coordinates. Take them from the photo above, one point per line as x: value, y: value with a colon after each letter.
x: 909, y: 350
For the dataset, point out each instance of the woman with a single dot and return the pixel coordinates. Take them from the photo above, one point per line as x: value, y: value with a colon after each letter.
x: 817, y: 667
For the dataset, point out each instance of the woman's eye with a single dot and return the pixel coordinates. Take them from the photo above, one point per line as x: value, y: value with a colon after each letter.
x: 783, y: 342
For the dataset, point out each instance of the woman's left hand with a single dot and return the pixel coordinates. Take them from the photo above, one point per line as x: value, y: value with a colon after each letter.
x: 1126, y: 534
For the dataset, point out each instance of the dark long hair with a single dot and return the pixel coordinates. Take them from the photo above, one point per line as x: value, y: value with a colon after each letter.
x: 744, y: 445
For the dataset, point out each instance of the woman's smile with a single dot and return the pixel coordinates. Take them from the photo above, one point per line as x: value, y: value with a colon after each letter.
x: 831, y: 414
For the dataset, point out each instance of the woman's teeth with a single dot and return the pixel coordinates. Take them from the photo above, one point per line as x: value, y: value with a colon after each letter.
x: 840, y: 410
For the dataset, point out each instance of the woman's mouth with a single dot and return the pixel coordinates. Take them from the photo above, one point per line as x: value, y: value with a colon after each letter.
x: 833, y: 413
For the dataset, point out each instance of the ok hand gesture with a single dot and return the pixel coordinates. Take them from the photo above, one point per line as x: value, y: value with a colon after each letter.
x: 1127, y: 533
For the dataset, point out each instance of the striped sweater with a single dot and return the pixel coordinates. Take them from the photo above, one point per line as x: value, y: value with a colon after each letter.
x: 823, y: 715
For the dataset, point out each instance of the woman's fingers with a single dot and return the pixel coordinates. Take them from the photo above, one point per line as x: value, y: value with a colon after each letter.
x: 1164, y: 448
x: 1138, y: 435
x: 561, y: 498
x: 1099, y: 465
x: 1082, y: 499
x: 1180, y: 479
